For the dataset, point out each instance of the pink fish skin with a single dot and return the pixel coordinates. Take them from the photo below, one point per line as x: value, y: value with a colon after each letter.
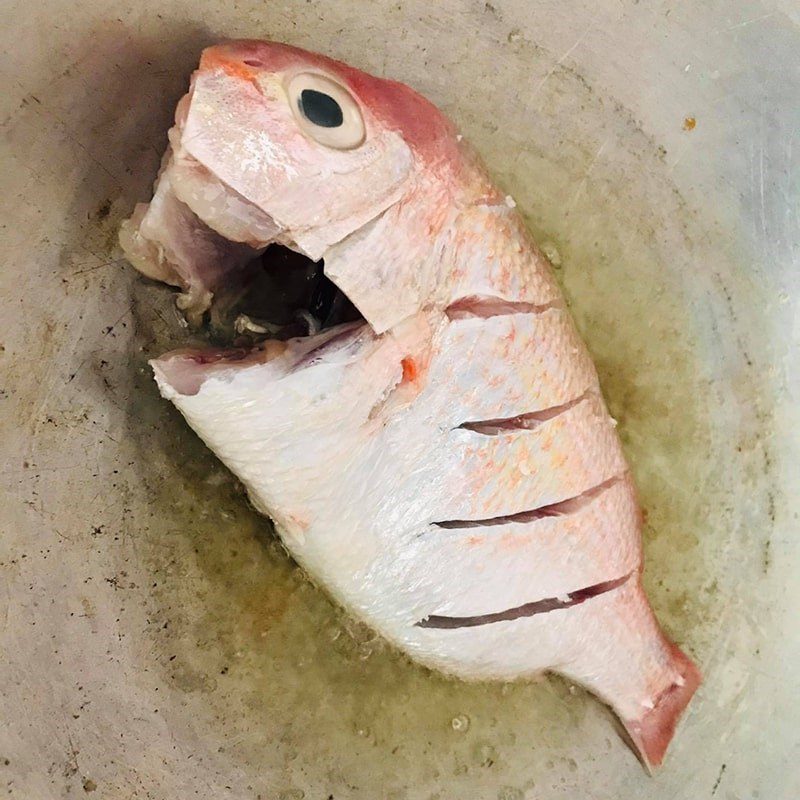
x: 446, y: 466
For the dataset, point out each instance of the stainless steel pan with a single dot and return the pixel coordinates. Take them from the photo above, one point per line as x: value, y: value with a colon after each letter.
x: 156, y: 641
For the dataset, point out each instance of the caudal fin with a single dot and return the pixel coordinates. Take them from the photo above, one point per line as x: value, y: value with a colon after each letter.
x: 623, y: 656
x: 652, y: 732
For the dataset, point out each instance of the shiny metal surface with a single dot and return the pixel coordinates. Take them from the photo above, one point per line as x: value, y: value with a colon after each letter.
x: 156, y: 642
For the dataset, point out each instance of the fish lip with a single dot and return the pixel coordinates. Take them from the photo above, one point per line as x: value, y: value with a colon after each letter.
x: 186, y: 370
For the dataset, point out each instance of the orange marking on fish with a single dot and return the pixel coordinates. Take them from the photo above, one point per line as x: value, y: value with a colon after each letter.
x: 213, y: 59
x: 410, y: 370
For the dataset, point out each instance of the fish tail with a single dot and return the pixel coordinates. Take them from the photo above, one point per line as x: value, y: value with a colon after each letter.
x: 651, y: 733
x: 631, y: 665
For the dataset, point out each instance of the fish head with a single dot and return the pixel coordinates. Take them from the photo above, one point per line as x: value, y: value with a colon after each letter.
x: 276, y: 145
x: 319, y: 147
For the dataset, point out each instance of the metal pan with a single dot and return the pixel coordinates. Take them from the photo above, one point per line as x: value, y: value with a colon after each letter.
x: 155, y: 639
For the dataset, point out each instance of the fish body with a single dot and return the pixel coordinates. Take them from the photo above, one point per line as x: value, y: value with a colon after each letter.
x: 446, y: 467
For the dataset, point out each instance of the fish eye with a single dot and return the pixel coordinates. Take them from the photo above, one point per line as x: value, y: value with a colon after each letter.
x: 326, y: 111
x: 320, y: 109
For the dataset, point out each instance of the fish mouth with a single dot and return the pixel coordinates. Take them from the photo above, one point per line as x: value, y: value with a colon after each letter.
x: 264, y: 283
x: 278, y: 295
x: 279, y: 305
x: 250, y: 287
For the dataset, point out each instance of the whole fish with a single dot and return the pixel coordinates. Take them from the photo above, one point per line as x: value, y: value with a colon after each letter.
x: 444, y: 463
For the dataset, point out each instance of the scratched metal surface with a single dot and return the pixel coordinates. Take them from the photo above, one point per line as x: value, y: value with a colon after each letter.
x: 156, y: 642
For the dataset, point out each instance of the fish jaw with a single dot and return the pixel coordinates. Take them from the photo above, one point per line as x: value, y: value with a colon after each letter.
x: 320, y: 391
x: 182, y: 373
x: 245, y: 134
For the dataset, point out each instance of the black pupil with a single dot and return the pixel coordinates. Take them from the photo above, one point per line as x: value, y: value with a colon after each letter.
x: 321, y: 109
